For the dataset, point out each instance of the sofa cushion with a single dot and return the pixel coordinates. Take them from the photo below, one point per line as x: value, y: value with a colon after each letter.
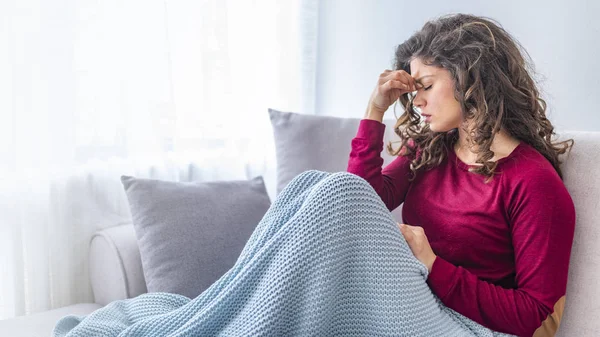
x: 305, y: 142
x: 42, y: 324
x: 190, y: 233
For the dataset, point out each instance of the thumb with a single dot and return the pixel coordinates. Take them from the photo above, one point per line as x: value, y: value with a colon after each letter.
x: 406, y: 231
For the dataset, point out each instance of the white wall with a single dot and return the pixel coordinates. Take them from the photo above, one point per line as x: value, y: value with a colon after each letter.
x: 357, y: 40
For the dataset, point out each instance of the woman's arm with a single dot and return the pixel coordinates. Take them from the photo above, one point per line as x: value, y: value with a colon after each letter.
x: 391, y: 183
x: 542, y: 224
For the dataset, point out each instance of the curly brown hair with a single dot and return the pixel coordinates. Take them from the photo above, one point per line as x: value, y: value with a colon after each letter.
x: 492, y: 83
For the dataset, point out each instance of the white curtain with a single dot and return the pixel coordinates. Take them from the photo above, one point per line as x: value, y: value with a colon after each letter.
x: 91, y: 90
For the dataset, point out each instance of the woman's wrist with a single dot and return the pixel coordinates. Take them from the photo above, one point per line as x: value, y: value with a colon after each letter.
x: 374, y: 114
x: 429, y: 263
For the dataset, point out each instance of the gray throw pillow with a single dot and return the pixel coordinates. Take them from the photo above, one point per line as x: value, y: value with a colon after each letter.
x: 305, y: 142
x: 191, y: 233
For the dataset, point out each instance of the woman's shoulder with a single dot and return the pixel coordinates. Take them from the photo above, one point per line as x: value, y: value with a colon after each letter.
x: 526, y: 162
x: 530, y: 173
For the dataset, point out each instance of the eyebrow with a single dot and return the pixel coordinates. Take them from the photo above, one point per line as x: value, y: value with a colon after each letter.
x: 422, y: 77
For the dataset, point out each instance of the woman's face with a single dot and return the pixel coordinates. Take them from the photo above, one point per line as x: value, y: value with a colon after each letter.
x: 435, y: 96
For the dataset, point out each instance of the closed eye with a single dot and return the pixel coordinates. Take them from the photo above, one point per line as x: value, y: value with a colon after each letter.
x: 412, y: 95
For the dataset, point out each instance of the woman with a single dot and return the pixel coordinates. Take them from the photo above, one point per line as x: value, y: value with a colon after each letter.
x: 327, y: 258
x: 484, y: 203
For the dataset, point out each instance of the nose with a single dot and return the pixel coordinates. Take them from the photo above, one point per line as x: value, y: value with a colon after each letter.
x: 418, y: 101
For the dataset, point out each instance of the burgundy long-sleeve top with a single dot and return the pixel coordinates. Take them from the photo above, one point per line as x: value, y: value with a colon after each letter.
x: 502, y: 248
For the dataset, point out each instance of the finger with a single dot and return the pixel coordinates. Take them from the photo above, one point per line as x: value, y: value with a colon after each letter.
x: 395, y: 84
x: 384, y: 75
x: 408, y: 234
x: 405, y: 78
x: 418, y: 84
x: 415, y: 228
x: 399, y: 75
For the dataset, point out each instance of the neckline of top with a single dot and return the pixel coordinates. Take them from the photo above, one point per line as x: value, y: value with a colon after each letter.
x: 466, y: 166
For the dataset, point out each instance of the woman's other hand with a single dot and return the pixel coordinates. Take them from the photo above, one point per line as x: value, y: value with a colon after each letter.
x: 418, y: 243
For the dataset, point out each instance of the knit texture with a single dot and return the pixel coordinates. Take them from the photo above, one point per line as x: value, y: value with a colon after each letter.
x: 327, y: 259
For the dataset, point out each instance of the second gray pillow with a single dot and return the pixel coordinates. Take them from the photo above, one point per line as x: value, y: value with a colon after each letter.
x: 191, y: 233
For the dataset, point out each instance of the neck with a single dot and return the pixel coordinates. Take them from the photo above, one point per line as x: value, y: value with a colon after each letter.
x: 502, y: 145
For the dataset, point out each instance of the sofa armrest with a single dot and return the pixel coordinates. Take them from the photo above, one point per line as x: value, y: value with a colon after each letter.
x: 115, y: 265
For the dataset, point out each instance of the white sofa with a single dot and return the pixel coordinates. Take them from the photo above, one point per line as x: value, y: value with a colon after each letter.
x: 116, y: 271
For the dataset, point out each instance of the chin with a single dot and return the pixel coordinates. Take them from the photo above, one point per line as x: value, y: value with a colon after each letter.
x: 436, y: 127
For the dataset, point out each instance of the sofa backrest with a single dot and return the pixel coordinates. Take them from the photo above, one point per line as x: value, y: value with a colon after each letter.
x: 580, y: 172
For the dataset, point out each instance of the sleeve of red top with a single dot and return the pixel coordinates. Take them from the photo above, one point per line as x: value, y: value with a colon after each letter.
x: 542, y: 220
x: 391, y: 183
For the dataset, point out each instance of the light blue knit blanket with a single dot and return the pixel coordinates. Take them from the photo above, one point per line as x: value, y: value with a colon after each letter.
x: 327, y: 259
